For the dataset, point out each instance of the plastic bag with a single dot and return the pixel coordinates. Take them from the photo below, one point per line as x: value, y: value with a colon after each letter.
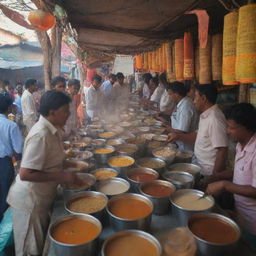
x: 6, y: 231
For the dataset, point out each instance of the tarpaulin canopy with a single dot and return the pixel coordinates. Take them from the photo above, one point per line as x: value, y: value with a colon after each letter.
x: 135, y: 26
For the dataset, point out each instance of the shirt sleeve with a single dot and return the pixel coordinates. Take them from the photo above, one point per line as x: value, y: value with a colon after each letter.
x: 218, y: 133
x: 183, y: 122
x: 34, y: 153
x: 254, y: 170
x: 17, y: 140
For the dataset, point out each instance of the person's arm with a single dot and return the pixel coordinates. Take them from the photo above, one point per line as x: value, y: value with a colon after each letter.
x: 218, y: 187
x: 17, y: 142
x: 185, y: 137
x: 223, y: 175
x: 220, y: 161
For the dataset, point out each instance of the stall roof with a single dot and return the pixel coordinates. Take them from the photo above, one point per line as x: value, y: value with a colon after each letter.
x: 135, y: 26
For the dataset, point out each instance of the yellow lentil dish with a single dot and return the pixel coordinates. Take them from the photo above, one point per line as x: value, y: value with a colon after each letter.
x: 120, y: 161
x: 107, y: 134
x: 103, y: 174
x: 88, y: 204
x: 103, y: 151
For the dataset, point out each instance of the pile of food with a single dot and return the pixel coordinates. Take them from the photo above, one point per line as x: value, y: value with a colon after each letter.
x: 151, y: 163
x: 164, y: 152
x: 121, y: 161
x: 107, y: 135
x: 103, y: 150
x: 104, y: 173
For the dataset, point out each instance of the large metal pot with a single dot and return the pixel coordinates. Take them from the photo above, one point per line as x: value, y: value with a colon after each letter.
x: 102, y: 158
x: 183, y: 214
x: 184, y: 156
x: 136, y: 233
x: 127, y: 150
x: 98, y: 214
x: 114, y: 173
x: 121, y: 169
x: 181, y: 180
x: 207, y: 248
x: 152, y: 162
x: 115, y: 142
x: 186, y: 167
x: 109, y: 186
x: 161, y: 204
x: 90, y: 180
x: 139, y: 171
x: 165, y: 153
x: 119, y: 224
x: 62, y: 249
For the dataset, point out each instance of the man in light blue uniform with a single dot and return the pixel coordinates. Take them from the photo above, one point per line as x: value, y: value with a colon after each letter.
x: 185, y: 118
x: 11, y: 144
x: 107, y: 91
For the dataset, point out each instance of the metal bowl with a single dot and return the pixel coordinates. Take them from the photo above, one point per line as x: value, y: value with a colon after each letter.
x: 181, y: 180
x: 126, y: 136
x: 184, y: 156
x: 115, y: 173
x: 115, y: 142
x: 127, y: 150
x: 62, y: 249
x: 167, y: 158
x: 214, y: 249
x: 103, y: 157
x: 90, y: 180
x: 162, y: 138
x: 139, y: 171
x: 161, y: 204
x: 119, y: 224
x: 152, y: 162
x: 183, y: 214
x: 96, y: 143
x: 106, y: 135
x: 98, y: 214
x: 109, y: 187
x: 186, y: 167
x: 122, y: 169
x: 138, y: 233
x: 77, y: 165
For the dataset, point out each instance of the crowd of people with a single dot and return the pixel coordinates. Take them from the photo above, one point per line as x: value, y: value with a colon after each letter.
x: 189, y: 113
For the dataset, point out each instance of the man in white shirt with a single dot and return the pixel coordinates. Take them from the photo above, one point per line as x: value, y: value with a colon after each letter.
x: 211, y: 139
x: 185, y: 117
x: 28, y: 104
x: 146, y: 91
x: 93, y: 99
x: 121, y: 93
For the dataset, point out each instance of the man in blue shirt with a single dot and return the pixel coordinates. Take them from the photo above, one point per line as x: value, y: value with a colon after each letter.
x: 107, y: 89
x: 11, y: 144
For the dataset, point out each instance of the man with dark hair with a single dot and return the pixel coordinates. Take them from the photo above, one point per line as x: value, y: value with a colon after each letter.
x: 11, y: 144
x: 34, y: 190
x: 211, y: 140
x: 121, y: 93
x: 93, y: 99
x: 145, y: 91
x: 58, y: 83
x: 241, y: 121
x: 185, y: 118
x: 72, y: 122
x: 28, y: 104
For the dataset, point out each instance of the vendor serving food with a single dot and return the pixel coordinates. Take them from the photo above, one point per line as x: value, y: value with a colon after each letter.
x: 34, y: 189
x: 241, y: 128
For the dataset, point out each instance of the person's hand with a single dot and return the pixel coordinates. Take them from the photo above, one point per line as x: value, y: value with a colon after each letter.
x: 173, y: 137
x: 216, y: 188
x: 69, y: 178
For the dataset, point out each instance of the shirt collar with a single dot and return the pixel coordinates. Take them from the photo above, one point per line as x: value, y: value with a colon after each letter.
x: 48, y: 124
x: 181, y: 102
x: 250, y: 146
x: 28, y: 92
x: 207, y: 112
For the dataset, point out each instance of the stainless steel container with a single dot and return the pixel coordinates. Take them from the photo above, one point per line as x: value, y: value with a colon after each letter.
x: 62, y: 249
x: 139, y: 233
x: 181, y: 180
x: 213, y: 249
x: 137, y: 171
x: 167, y: 158
x: 140, y: 143
x: 161, y: 137
x: 102, y: 158
x: 121, y: 169
x: 115, y: 142
x: 186, y: 167
x: 126, y: 136
x: 152, y: 162
x: 115, y: 173
x: 90, y: 180
x: 182, y: 214
x: 99, y: 214
x: 184, y: 156
x: 112, y: 186
x: 119, y: 224
x: 127, y: 150
x: 162, y: 205
x: 96, y: 143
